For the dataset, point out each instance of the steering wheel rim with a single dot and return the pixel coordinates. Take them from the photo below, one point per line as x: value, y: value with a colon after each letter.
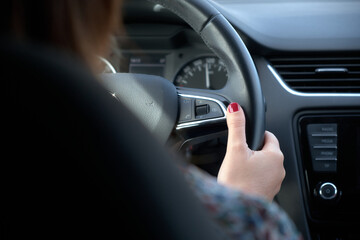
x: 243, y: 85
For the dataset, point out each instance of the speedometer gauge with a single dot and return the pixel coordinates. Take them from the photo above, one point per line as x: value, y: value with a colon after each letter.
x: 204, y: 72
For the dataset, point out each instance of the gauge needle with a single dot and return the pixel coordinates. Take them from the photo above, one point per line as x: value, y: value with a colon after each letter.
x: 207, y: 77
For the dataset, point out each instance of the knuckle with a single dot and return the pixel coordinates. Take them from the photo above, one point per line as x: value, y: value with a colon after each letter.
x: 283, y: 173
x: 239, y: 146
x: 278, y: 154
x: 281, y: 155
x: 278, y: 189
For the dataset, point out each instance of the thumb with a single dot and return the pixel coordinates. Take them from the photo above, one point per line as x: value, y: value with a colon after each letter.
x: 236, y: 124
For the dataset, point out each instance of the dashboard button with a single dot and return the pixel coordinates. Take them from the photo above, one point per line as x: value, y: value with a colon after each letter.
x: 323, y: 141
x: 324, y: 166
x: 323, y: 146
x: 324, y: 153
x: 322, y: 128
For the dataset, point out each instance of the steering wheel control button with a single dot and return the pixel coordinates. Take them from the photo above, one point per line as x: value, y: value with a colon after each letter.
x: 323, y: 146
x: 202, y: 110
x: 199, y: 110
x: 199, y: 102
x: 328, y: 191
x: 213, y: 110
x: 186, y: 109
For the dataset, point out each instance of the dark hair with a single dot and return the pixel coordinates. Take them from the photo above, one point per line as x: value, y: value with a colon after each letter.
x: 83, y: 27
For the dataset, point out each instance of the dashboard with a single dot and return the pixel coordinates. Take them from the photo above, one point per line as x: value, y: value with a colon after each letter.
x: 182, y: 58
x: 307, y: 54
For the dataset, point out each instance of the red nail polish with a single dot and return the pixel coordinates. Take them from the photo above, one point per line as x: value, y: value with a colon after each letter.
x: 233, y: 107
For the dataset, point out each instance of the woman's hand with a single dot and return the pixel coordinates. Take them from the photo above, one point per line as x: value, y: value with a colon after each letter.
x: 254, y: 172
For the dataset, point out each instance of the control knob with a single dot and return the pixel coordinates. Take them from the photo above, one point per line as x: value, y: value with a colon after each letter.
x: 328, y: 191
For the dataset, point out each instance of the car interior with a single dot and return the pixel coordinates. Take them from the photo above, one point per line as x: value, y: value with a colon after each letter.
x: 293, y: 65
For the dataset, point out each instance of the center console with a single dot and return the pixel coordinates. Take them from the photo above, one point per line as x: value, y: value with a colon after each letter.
x: 330, y: 172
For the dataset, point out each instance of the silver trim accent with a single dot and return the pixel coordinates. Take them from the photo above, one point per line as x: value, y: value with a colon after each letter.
x: 108, y: 64
x: 331, y: 70
x: 158, y: 8
x: 296, y: 93
x: 325, y: 147
x: 205, y: 121
x: 324, y: 134
x: 321, y: 193
x: 325, y: 159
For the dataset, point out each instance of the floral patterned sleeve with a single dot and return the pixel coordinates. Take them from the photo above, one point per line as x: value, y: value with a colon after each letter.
x: 240, y: 215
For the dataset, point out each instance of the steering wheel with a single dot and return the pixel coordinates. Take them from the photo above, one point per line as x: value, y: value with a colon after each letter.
x: 162, y: 107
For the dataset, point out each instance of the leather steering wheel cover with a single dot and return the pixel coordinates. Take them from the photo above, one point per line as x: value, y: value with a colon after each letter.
x: 243, y: 85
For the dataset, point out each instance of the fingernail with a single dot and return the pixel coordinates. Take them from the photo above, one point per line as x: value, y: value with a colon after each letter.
x: 233, y: 107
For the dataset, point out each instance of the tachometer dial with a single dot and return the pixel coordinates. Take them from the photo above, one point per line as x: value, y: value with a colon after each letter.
x: 204, y: 72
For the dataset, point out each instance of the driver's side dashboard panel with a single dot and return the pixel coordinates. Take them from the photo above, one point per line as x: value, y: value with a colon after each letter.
x: 172, y: 51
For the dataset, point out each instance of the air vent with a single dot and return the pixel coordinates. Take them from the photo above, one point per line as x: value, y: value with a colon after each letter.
x: 320, y: 74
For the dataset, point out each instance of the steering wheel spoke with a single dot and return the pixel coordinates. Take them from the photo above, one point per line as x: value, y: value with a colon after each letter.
x: 201, y: 118
x: 198, y: 109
